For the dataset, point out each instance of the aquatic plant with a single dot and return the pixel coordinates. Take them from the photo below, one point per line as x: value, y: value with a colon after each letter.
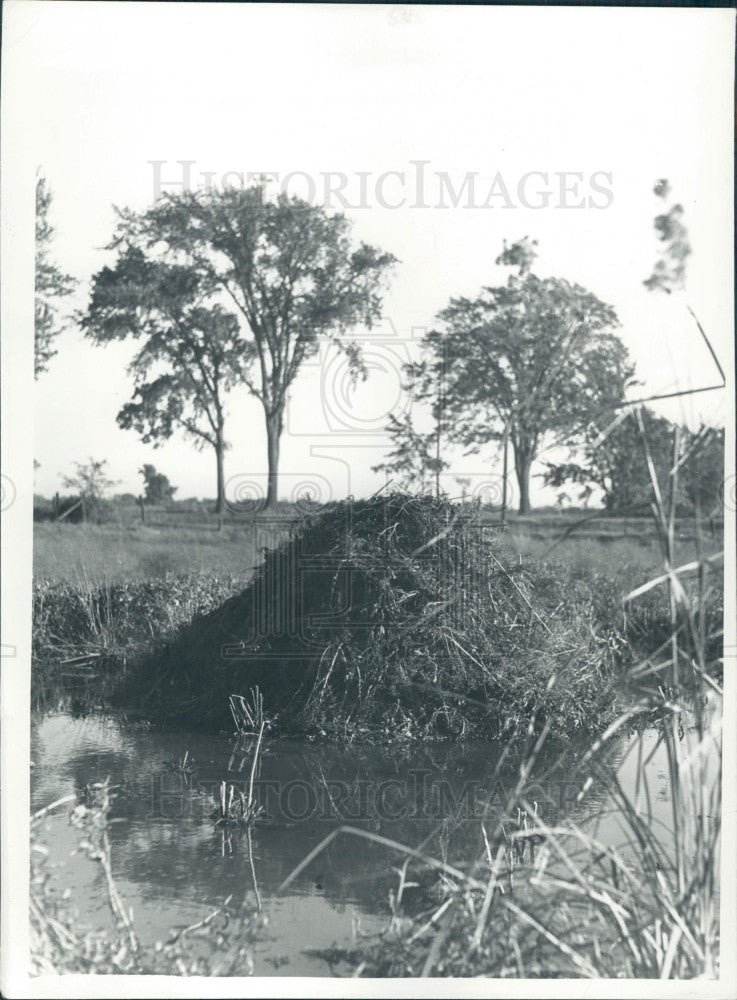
x: 248, y: 713
x: 186, y: 765
x: 235, y: 805
x: 86, y: 635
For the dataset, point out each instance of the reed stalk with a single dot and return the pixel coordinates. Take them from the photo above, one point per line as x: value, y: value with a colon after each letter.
x: 572, y: 905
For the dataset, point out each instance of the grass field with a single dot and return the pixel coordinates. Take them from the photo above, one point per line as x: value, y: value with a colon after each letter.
x: 88, y: 553
x: 80, y: 553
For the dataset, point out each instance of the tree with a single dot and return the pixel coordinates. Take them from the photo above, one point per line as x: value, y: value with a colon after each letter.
x: 52, y: 284
x: 608, y: 456
x: 191, y: 354
x: 91, y: 482
x: 669, y: 273
x: 612, y: 459
x: 702, y: 476
x: 289, y: 271
x: 90, y: 479
x: 413, y: 459
x: 157, y: 488
x: 532, y: 358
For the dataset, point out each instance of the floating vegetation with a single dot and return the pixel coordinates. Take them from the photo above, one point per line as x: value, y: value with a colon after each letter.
x: 236, y: 807
x: 186, y: 765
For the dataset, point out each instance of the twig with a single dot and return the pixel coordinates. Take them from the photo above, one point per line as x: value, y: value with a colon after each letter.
x: 387, y: 842
x: 200, y: 923
x: 54, y: 805
x: 253, y: 766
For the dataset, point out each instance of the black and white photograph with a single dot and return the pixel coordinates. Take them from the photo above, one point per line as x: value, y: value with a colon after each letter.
x: 368, y: 431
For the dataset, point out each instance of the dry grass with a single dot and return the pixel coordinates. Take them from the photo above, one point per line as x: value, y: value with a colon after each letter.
x: 557, y: 902
x: 112, y: 553
x: 397, y: 611
x: 76, y: 553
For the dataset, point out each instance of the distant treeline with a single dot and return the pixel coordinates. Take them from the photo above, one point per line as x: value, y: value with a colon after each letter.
x: 68, y: 507
x: 127, y: 508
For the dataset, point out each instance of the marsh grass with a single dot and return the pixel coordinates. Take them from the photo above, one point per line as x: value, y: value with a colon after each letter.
x: 85, y: 635
x: 109, y: 554
x: 399, y: 614
x: 248, y: 713
x: 237, y: 806
x: 647, y: 907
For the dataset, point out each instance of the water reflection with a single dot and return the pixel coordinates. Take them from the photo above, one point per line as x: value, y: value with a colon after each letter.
x: 172, y: 860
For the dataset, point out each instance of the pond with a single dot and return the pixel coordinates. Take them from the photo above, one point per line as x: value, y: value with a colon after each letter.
x: 173, y: 864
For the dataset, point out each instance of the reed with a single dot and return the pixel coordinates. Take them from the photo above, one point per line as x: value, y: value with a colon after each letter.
x: 88, y: 636
x: 556, y: 900
x: 248, y: 714
x: 60, y: 944
x: 236, y: 806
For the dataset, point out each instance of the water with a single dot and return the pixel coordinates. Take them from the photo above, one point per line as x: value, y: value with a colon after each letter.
x: 173, y: 865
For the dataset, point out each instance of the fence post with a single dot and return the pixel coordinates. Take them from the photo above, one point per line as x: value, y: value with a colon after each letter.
x: 56, y: 506
x: 143, y: 509
x: 84, y: 509
x: 504, y: 481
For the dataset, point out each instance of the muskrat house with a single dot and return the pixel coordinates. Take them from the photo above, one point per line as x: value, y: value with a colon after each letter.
x: 399, y: 614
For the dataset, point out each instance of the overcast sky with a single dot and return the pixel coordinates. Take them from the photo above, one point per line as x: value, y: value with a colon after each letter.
x: 620, y: 97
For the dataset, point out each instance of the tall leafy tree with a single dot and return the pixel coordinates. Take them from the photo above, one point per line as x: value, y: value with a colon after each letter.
x: 701, y: 470
x: 191, y: 353
x: 52, y: 284
x: 288, y: 270
x: 607, y: 458
x: 610, y: 459
x: 534, y: 358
